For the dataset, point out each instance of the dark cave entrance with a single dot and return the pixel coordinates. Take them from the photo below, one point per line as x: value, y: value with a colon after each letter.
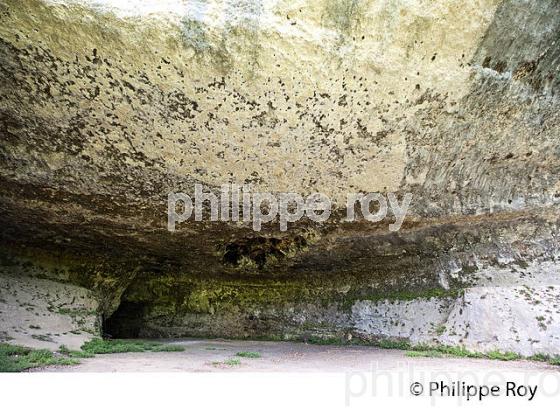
x: 126, y: 322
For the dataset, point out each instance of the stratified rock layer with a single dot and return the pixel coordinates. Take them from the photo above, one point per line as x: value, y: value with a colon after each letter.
x: 104, y: 111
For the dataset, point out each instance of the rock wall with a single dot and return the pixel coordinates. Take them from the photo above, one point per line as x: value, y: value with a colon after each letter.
x: 105, y: 108
x: 41, y: 309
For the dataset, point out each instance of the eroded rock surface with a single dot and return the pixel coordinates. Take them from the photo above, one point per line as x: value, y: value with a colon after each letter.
x: 105, y: 110
x: 40, y: 312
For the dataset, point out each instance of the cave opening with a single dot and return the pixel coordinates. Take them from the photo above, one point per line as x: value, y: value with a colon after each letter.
x: 126, y: 322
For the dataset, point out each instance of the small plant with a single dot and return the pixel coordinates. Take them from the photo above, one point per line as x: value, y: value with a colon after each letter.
x: 250, y: 355
x: 540, y: 357
x: 554, y: 361
x: 232, y: 362
x: 228, y: 362
x: 63, y: 349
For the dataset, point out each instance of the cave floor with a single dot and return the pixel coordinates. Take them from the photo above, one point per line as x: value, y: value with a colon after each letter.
x: 218, y: 355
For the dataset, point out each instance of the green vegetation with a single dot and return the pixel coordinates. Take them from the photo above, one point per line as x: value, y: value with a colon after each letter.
x: 250, y: 355
x: 506, y: 356
x: 452, y: 351
x: 393, y: 344
x: 17, y: 358
x: 232, y: 362
x: 100, y: 346
x: 444, y: 351
x: 77, y: 354
x: 228, y: 362
x: 555, y: 361
x: 422, y: 350
x: 324, y: 340
x: 540, y: 357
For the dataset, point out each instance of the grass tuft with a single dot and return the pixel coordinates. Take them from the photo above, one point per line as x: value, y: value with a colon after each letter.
x: 228, y: 362
x: 540, y: 357
x: 554, y: 361
x: 250, y: 355
x: 232, y: 362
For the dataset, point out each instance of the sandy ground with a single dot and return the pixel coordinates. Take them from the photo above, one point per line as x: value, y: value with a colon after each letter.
x: 210, y: 356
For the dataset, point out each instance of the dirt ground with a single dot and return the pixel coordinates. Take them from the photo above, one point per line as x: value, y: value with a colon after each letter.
x: 216, y: 356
